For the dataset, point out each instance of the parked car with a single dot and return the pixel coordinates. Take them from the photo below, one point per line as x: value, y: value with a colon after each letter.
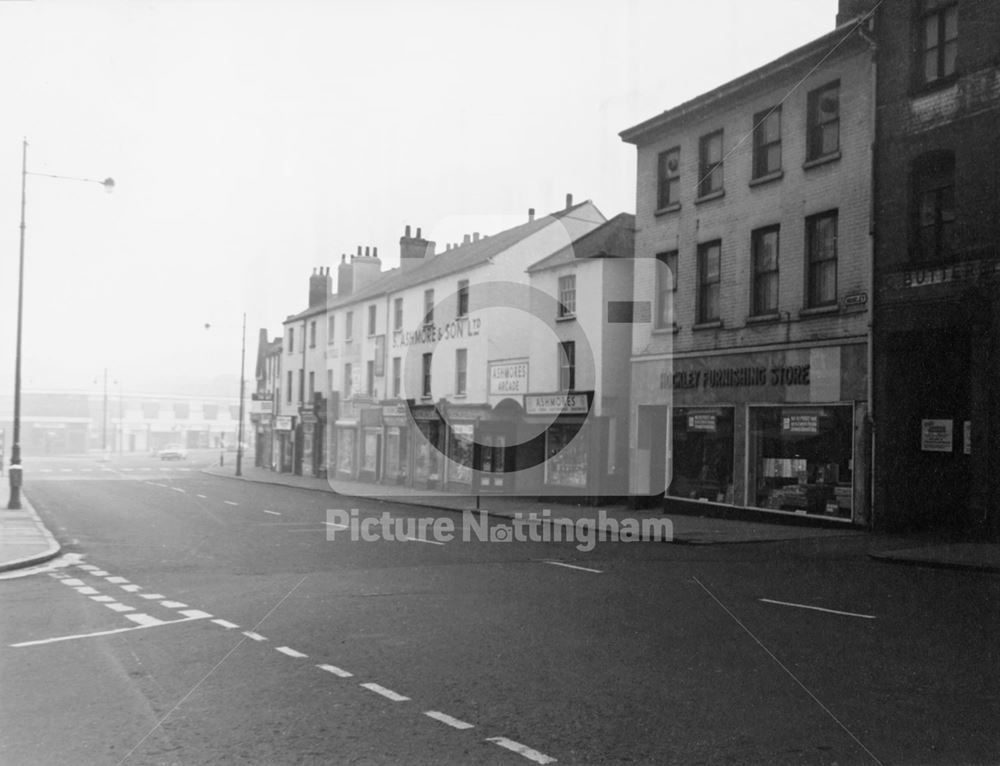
x: 173, y: 452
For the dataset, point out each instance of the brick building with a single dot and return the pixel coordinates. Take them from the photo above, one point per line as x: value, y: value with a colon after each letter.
x: 937, y: 216
x: 749, y: 384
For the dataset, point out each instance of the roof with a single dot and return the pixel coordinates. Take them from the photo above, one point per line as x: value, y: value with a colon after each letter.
x: 457, y: 259
x: 613, y: 239
x: 805, y: 55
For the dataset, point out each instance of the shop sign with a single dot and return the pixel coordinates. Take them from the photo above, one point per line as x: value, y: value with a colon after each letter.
x: 962, y: 271
x: 936, y: 435
x: 261, y: 407
x: 460, y: 327
x: 737, y: 377
x: 508, y: 378
x: 702, y: 421
x: 800, y: 424
x: 556, y: 404
x: 283, y: 423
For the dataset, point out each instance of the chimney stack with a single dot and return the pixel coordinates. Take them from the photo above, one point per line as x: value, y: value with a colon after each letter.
x: 320, y: 287
x: 531, y: 214
x: 475, y: 236
x: 849, y: 10
x: 569, y: 201
x: 414, y: 250
x: 466, y: 239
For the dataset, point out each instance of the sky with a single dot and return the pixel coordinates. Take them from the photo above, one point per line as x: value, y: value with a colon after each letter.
x: 253, y: 141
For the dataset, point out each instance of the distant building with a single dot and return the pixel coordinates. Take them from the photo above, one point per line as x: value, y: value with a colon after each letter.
x: 263, y: 404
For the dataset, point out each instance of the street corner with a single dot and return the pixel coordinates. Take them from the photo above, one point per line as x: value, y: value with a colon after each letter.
x: 25, y: 541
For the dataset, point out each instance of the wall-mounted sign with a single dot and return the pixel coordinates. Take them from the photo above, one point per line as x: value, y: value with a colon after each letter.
x: 737, y: 377
x: 283, y: 423
x: 509, y: 378
x: 461, y: 327
x: 936, y: 435
x: 856, y: 299
x: 702, y: 421
x: 555, y: 404
x: 960, y: 271
x: 261, y: 407
x: 800, y: 424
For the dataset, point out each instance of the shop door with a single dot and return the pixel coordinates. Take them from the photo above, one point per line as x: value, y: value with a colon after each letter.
x: 651, y: 457
x: 493, y: 463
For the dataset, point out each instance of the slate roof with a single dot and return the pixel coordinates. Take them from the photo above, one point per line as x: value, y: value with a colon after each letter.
x: 612, y: 239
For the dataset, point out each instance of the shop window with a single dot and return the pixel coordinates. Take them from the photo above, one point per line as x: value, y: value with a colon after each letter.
x: 372, y: 316
x: 668, y: 185
x: 767, y: 142
x: 709, y: 277
x: 312, y: 334
x: 764, y: 246
x: 397, y: 314
x: 461, y: 371
x: 933, y: 182
x: 396, y: 376
x: 567, y: 365
x: 463, y: 298
x: 428, y: 307
x: 666, y: 287
x: 395, y: 455
x: 565, y: 456
x: 821, y: 250
x: 823, y: 122
x: 801, y: 459
x: 345, y: 450
x: 567, y: 295
x: 702, y: 454
x: 369, y: 451
x: 939, y: 39
x: 460, y: 453
x: 426, y: 458
x: 710, y: 164
x: 426, y: 374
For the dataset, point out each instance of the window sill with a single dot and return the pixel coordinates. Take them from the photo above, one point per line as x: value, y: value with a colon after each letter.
x: 833, y: 308
x: 764, y: 318
x: 715, y: 324
x: 671, y: 329
x: 817, y: 161
x: 459, y: 396
x: 711, y: 196
x: 926, y: 88
x: 777, y: 175
x: 426, y: 398
x: 566, y: 318
x: 671, y: 208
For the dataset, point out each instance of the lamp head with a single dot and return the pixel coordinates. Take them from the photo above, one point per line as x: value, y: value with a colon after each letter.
x: 108, y: 184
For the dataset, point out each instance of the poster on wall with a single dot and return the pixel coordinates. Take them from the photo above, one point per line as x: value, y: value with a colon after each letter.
x: 936, y: 435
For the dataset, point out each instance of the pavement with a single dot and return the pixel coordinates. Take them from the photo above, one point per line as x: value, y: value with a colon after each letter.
x: 24, y: 539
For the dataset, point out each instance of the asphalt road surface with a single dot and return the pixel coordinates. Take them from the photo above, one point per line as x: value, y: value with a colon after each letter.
x: 203, y: 620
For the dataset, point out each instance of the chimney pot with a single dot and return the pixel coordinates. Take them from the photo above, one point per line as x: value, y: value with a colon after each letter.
x: 407, y: 230
x: 418, y: 233
x: 466, y: 239
x: 375, y: 252
x: 359, y: 251
x: 475, y: 236
x: 531, y: 214
x: 569, y: 201
x: 343, y: 257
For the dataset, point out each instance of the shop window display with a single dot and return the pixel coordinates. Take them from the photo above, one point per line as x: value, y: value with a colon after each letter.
x: 801, y: 459
x: 460, y: 453
x: 565, y: 456
x: 369, y: 458
x: 426, y: 458
x: 345, y: 451
x: 395, y: 455
x: 703, y: 454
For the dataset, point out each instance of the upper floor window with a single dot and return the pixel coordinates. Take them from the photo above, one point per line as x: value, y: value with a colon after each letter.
x: 709, y: 279
x: 710, y: 164
x: 767, y: 142
x: 349, y: 326
x: 397, y: 378
x: 397, y: 314
x: 290, y: 384
x: 370, y: 378
x: 312, y: 385
x: 348, y: 372
x: 428, y: 306
x: 463, y: 298
x: 567, y: 295
x: 567, y: 365
x: 939, y: 38
x: 372, y: 314
x: 821, y: 249
x: 426, y: 374
x: 330, y: 326
x: 666, y: 286
x: 312, y: 334
x: 461, y: 371
x: 764, y: 247
x: 291, y: 340
x: 668, y: 188
x: 823, y: 121
x: 933, y: 183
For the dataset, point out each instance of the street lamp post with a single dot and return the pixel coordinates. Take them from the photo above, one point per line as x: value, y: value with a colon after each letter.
x: 15, y: 474
x: 239, y: 430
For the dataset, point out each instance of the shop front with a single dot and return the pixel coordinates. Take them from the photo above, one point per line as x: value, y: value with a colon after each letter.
x: 284, y: 444
x: 396, y: 438
x: 428, y: 446
x: 370, y: 466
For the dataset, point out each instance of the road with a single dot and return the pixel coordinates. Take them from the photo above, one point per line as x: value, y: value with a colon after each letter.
x: 203, y: 620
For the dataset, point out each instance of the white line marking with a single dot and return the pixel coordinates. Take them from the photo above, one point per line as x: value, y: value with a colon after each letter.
x: 87, y: 470
x: 178, y: 489
x: 387, y: 693
x: 99, y: 573
x: 335, y: 525
x: 422, y: 540
x: 186, y: 470
x: 119, y: 607
x: 226, y: 623
x: 144, y: 619
x: 152, y: 595
x: 103, y: 599
x: 273, y: 513
x: 195, y: 614
x: 173, y: 604
x: 87, y: 567
x: 66, y: 470
x: 155, y: 484
x: 130, y: 588
x: 573, y: 566
x: 290, y: 652
x: 98, y: 633
x: 86, y: 590
x: 520, y: 749
x: 818, y: 609
x: 447, y: 719
x: 335, y: 670
x: 203, y: 497
x: 116, y: 580
x: 255, y: 636
x: 230, y: 502
x: 72, y: 581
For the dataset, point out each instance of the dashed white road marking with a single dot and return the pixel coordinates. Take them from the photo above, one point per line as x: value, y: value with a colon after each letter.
x: 66, y: 470
x: 455, y: 723
x: 103, y: 599
x: 99, y: 633
x: 574, y: 566
x: 128, y: 469
x: 422, y: 540
x: 86, y: 590
x: 335, y: 670
x: 152, y: 595
x: 203, y: 497
x: 156, y: 484
x: 225, y: 623
x: 72, y: 581
x: 195, y: 614
x: 87, y: 470
x: 144, y: 619
x: 273, y: 513
x: 818, y: 609
x: 290, y: 652
x: 186, y: 470
x: 130, y: 588
x: 119, y: 607
x: 254, y: 636
x: 517, y: 747
x: 230, y: 502
x: 87, y: 567
x: 98, y: 573
x: 116, y: 580
x: 387, y: 693
x: 164, y: 469
x: 178, y: 489
x: 173, y: 604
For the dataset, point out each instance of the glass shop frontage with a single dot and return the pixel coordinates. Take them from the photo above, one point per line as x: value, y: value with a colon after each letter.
x: 779, y: 431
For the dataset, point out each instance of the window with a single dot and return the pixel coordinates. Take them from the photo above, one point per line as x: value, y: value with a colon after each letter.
x: 567, y: 365
x: 567, y: 295
x: 666, y: 286
x: 291, y: 340
x: 710, y: 164
x: 370, y: 378
x: 764, y: 250
x: 329, y: 381
x: 767, y: 142
x: 372, y: 314
x: 290, y: 385
x: 210, y: 411
x: 821, y: 247
x: 668, y: 185
x: 934, y: 203
x: 397, y: 314
x: 312, y: 385
x: 330, y: 326
x: 461, y: 370
x: 302, y: 385
x: 397, y: 363
x: 349, y: 326
x: 823, y: 121
x: 312, y: 334
x: 426, y: 371
x: 428, y: 307
x: 939, y: 39
x: 347, y: 380
x: 709, y: 277
x: 463, y: 298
